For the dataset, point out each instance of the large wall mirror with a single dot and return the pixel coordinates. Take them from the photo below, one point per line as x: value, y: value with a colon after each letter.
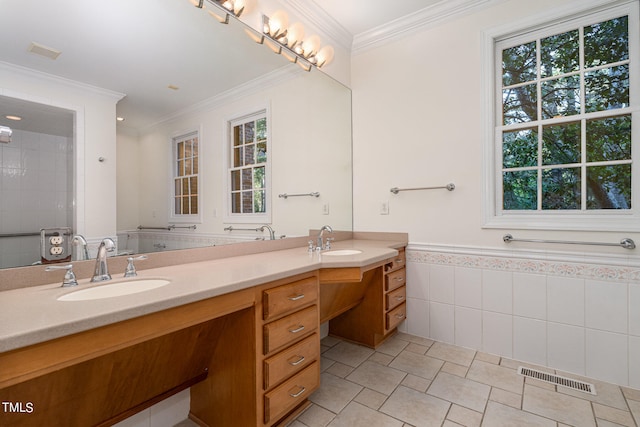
x: 179, y: 71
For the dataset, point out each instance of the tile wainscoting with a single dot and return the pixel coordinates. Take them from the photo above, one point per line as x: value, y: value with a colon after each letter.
x: 579, y: 313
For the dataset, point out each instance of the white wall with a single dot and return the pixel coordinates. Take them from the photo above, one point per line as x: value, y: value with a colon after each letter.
x: 417, y: 114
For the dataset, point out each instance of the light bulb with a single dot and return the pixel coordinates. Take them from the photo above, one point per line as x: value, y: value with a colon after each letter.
x: 278, y: 23
x: 310, y: 46
x: 325, y: 55
x: 296, y: 33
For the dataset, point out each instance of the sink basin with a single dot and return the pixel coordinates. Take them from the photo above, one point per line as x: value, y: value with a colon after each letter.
x: 342, y: 252
x: 114, y: 289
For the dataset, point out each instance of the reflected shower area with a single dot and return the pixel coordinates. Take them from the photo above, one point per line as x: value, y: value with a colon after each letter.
x: 36, y: 177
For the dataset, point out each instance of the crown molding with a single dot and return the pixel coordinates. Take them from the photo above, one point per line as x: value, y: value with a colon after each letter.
x: 39, y: 75
x: 316, y: 16
x: 400, y: 27
x: 273, y: 78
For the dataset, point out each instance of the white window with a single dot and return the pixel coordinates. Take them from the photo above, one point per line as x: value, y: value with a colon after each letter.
x: 248, y: 193
x: 185, y: 204
x: 565, y: 121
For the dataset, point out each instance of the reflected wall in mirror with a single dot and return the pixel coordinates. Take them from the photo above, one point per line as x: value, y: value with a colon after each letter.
x: 309, y: 119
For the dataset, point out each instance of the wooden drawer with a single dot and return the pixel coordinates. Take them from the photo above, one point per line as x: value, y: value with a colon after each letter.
x: 291, y: 393
x: 395, y: 298
x: 397, y: 263
x: 292, y: 360
x: 287, y: 330
x: 289, y: 297
x: 395, y: 316
x: 395, y: 279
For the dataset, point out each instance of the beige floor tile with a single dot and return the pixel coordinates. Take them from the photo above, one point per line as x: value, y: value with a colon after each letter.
x: 371, y: 398
x: 558, y: 406
x: 348, y: 353
x: 498, y: 415
x: 414, y: 339
x: 618, y: 416
x: 415, y: 408
x: 316, y: 416
x: 448, y: 423
x: 464, y: 416
x: 489, y: 358
x: 506, y: 398
x: 294, y: 423
x: 417, y: 383
x: 417, y: 364
x: 541, y: 384
x: 334, y: 393
x: 452, y: 353
x: 608, y: 394
x: 464, y: 392
x: 634, y: 406
x: 631, y: 393
x: 325, y: 363
x: 330, y: 341
x: 377, y: 377
x: 393, y: 346
x: 356, y: 414
x: 416, y: 348
x: 381, y: 358
x: 605, y: 423
x: 454, y: 369
x: 496, y: 376
x: 340, y: 369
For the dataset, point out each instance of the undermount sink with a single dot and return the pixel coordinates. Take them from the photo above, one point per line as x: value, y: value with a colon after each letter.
x: 342, y: 252
x: 114, y: 289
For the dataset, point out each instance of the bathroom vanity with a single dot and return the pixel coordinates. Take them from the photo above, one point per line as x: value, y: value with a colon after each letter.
x: 242, y: 332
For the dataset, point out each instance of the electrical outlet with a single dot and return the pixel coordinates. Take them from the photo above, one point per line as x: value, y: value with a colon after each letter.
x: 56, y: 250
x: 56, y: 240
x: 384, y: 208
x: 325, y: 209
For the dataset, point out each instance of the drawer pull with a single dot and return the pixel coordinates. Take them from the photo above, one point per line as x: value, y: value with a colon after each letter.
x: 399, y: 279
x: 399, y: 298
x: 399, y: 260
x: 400, y: 315
x: 297, y: 362
x: 298, y: 394
x: 296, y: 298
x: 298, y: 329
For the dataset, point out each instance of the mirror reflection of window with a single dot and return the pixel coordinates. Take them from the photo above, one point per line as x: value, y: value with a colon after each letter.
x: 186, y: 172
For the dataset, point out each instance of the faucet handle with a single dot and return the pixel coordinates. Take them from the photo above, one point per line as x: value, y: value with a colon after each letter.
x: 130, y: 271
x: 69, y: 276
x: 328, y: 241
x: 311, y: 248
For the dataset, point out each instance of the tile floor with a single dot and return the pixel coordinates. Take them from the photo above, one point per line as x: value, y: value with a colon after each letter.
x: 413, y: 381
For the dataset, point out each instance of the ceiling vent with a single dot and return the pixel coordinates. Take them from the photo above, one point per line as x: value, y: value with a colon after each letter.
x: 45, y: 51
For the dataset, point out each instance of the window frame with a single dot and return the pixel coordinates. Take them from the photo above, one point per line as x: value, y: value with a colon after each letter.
x: 176, y: 137
x: 555, y: 21
x: 246, y: 218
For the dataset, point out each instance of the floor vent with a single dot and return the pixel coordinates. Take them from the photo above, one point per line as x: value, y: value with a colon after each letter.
x: 558, y: 380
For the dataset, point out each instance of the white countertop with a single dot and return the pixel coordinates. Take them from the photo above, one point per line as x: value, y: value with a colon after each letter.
x: 33, y: 314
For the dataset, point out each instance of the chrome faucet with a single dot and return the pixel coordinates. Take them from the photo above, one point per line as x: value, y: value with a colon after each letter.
x: 272, y: 234
x: 101, y: 272
x: 320, y: 243
x: 79, y: 240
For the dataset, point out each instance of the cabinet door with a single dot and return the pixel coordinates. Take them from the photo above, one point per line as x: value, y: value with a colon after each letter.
x: 395, y: 279
x: 289, y: 329
x: 395, y: 298
x: 289, y: 297
x: 291, y: 393
x: 289, y: 361
x: 395, y: 316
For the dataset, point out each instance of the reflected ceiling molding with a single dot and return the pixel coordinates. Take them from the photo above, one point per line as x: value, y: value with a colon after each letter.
x: 223, y: 8
x: 290, y: 42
